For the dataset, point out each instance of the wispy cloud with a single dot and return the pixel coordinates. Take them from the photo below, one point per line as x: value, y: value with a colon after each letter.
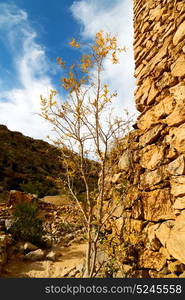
x: 114, y: 17
x: 19, y: 104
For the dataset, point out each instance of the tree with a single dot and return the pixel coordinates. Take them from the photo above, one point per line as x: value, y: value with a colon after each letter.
x: 85, y: 124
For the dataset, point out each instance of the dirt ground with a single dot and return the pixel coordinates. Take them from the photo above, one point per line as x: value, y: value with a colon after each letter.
x: 67, y: 258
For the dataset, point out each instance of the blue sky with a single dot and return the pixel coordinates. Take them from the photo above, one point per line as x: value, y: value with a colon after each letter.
x: 33, y: 33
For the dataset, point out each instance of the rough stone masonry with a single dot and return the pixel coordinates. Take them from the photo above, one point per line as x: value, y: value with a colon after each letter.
x: 152, y: 158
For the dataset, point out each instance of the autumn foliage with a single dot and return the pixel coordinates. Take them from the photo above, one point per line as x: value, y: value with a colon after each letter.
x: 86, y: 125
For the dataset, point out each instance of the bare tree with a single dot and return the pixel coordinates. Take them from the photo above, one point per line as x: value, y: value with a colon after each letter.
x: 85, y: 124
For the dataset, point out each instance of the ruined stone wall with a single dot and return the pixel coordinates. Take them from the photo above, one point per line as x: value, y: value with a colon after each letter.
x: 150, y: 164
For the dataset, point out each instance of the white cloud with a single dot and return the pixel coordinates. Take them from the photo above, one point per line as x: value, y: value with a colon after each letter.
x: 114, y: 17
x: 19, y: 106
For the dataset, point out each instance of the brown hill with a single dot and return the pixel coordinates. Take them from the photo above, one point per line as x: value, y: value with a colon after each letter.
x: 29, y: 164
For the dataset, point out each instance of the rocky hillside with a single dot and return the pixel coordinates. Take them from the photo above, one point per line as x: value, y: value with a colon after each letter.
x: 30, y: 165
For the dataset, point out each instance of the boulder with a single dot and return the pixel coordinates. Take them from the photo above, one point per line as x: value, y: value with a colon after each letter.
x: 35, y: 255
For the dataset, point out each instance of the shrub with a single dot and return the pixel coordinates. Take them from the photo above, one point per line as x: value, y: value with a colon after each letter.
x: 40, y: 188
x: 26, y: 225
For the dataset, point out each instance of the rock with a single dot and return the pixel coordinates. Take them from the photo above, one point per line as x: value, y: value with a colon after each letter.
x: 3, y: 258
x: 151, y: 260
x: 177, y: 167
x: 153, y: 243
x: 178, y: 68
x: 164, y: 271
x: 140, y: 274
x: 102, y: 257
x: 124, y: 162
x: 152, y: 156
x: 176, y: 267
x: 9, y: 223
x: 17, y: 197
x: 176, y: 138
x: 162, y: 232
x: 68, y: 271
x: 132, y: 225
x: 177, y: 116
x: 131, y: 197
x: 51, y: 256
x: 156, y: 13
x: 125, y: 270
x: 177, y: 185
x: 22, y: 247
x: 152, y: 94
x: 151, y: 178
x: 165, y: 252
x: 179, y: 203
x: 119, y: 225
x: 180, y: 33
x: 157, y: 205
x: 155, y: 274
x: 178, y: 91
x: 137, y: 211
x: 151, y: 135
x: 175, y: 243
x: 118, y: 211
x: 29, y: 247
x: 156, y: 113
x: 116, y: 178
x: 171, y: 276
x: 182, y: 275
x: 35, y: 255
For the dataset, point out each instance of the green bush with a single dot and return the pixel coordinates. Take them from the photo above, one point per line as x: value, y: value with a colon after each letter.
x: 41, y: 188
x: 26, y: 225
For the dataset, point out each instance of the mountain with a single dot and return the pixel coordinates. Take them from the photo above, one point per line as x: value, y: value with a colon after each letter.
x: 32, y: 165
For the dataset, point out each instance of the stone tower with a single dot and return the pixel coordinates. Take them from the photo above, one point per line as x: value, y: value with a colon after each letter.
x: 151, y: 218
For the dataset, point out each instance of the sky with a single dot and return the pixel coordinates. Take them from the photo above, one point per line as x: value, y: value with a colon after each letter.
x: 33, y: 33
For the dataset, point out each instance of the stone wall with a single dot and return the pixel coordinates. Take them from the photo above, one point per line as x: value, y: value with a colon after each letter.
x: 149, y: 165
